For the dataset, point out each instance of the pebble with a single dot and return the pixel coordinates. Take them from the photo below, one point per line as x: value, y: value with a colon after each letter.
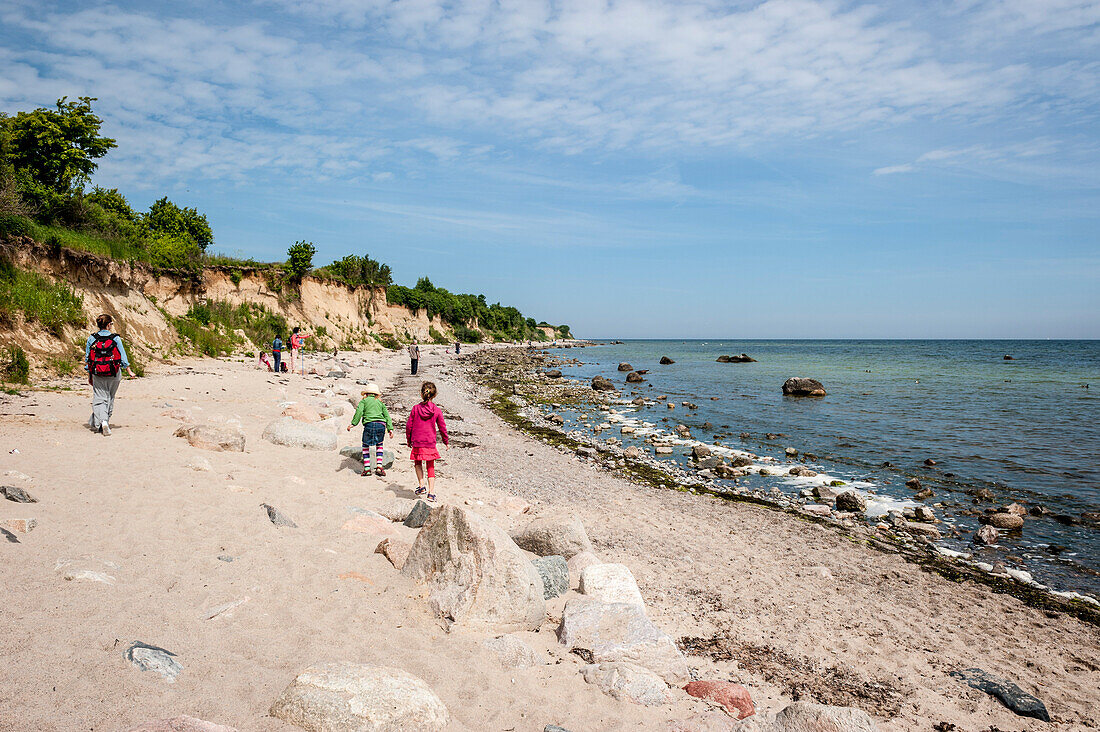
x: 16, y: 494
x: 277, y: 517
x: 152, y: 658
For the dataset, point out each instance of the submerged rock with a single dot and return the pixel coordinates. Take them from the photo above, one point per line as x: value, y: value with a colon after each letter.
x: 801, y: 386
x: 599, y: 383
x: 666, y: 361
x: 634, y: 378
x: 352, y: 696
x: 625, y: 367
x: 986, y: 535
x: 1008, y: 693
x: 1006, y: 521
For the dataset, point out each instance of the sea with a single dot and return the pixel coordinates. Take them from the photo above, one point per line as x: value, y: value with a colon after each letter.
x: 1027, y: 428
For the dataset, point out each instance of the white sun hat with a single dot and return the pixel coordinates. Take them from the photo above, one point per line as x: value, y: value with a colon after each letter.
x: 372, y: 388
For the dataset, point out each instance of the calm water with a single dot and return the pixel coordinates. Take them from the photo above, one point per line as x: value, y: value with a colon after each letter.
x: 1027, y: 428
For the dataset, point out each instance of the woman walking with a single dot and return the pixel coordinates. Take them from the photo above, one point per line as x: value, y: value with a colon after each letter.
x: 104, y: 359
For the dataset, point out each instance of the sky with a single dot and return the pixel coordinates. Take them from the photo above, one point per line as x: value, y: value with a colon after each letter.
x: 633, y: 168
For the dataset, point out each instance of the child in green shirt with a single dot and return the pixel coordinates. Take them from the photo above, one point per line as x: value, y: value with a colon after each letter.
x: 376, y: 423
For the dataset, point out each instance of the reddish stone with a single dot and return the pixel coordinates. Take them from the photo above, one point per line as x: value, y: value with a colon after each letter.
x: 734, y: 697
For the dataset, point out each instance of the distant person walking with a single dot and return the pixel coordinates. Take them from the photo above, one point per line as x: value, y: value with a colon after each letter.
x: 420, y: 435
x: 277, y: 353
x: 296, y: 340
x: 458, y: 347
x: 414, y: 356
x: 104, y: 358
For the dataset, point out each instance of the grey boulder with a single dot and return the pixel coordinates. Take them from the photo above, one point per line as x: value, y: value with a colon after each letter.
x: 289, y: 432
x: 627, y: 682
x: 17, y: 494
x: 811, y: 717
x: 216, y: 437
x: 358, y: 698
x: 477, y: 577
x: 1008, y: 693
x: 554, y: 572
x: 798, y: 386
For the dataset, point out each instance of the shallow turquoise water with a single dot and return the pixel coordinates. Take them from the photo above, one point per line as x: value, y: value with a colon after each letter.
x: 1026, y: 428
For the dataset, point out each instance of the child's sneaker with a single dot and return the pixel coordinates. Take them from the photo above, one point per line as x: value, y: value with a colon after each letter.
x: 380, y: 472
x: 365, y: 473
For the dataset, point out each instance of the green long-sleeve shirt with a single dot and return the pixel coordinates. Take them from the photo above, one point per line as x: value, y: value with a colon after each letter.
x: 371, y: 409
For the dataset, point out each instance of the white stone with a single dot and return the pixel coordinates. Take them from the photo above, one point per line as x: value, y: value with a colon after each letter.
x: 610, y: 583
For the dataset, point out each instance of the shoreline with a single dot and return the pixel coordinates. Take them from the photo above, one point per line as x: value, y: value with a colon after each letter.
x: 789, y: 608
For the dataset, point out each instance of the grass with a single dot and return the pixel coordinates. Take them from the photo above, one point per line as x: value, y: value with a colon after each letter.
x: 38, y: 299
x: 17, y: 369
x: 210, y: 327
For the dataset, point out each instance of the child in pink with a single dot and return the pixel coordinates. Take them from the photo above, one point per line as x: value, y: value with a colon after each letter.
x: 420, y: 436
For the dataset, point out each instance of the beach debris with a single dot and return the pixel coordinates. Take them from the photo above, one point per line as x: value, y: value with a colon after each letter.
x: 513, y: 652
x: 554, y: 572
x: 344, y: 695
x: 289, y: 432
x: 224, y: 609
x: 801, y: 716
x: 394, y: 549
x: 216, y: 437
x: 554, y: 728
x: 625, y: 367
x: 182, y: 723
x: 666, y: 361
x: 89, y: 575
x: 476, y: 575
x: 599, y: 383
x: 1008, y: 693
x: 277, y: 517
x: 734, y: 697
x: 626, y: 681
x: 16, y: 494
x: 225, y: 558
x: 418, y: 514
x: 608, y: 632
x: 801, y: 386
x: 634, y: 378
x: 547, y: 536
x: 1006, y: 521
x: 610, y: 583
x: 19, y: 525
x: 154, y: 658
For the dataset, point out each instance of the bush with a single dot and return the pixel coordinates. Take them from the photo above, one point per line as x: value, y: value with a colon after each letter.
x: 300, y: 259
x: 388, y: 340
x: 167, y: 218
x: 211, y: 326
x: 18, y: 368
x: 173, y: 252
x: 235, y: 277
x: 467, y: 335
x: 54, y: 305
x: 13, y: 225
x: 436, y: 336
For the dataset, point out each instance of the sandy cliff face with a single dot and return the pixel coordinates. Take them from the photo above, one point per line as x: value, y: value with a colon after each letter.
x: 142, y: 299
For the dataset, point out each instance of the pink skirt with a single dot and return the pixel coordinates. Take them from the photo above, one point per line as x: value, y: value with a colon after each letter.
x: 424, y: 453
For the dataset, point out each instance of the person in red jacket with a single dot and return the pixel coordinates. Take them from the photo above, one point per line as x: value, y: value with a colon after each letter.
x: 420, y: 436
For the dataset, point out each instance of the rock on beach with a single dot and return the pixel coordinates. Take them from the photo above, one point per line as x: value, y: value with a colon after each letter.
x: 621, y: 632
x: 627, y: 682
x: 351, y: 696
x: 476, y: 575
x: 182, y: 723
x: 734, y: 697
x: 289, y: 432
x: 547, y: 536
x: 610, y: 583
x: 554, y: 572
x: 811, y: 717
x: 216, y: 437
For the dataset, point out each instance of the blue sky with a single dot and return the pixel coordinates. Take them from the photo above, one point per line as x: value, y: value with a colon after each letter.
x: 635, y: 168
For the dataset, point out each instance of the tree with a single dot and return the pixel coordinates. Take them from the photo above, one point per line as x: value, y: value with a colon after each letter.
x: 55, y: 148
x: 165, y: 217
x: 300, y: 259
x: 110, y: 200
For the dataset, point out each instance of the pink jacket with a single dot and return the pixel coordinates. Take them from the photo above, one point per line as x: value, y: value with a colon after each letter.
x: 420, y: 426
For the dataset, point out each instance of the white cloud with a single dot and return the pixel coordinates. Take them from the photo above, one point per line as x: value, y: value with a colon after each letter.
x: 891, y: 169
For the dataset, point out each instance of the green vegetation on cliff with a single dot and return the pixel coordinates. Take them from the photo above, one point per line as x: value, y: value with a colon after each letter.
x: 47, y: 158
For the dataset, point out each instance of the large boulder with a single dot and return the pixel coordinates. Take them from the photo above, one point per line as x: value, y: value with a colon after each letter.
x: 610, y: 583
x: 290, y: 432
x: 851, y: 501
x: 625, y: 367
x: 599, y: 383
x: 607, y: 632
x: 354, y: 697
x: 554, y: 572
x: 547, y: 536
x: 627, y: 682
x: 811, y: 717
x: 216, y: 437
x: 798, y: 386
x: 476, y: 575
x: 743, y: 358
x: 666, y: 361
x: 634, y: 378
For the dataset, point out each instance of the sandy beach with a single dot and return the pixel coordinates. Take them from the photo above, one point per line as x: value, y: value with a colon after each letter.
x: 141, y: 537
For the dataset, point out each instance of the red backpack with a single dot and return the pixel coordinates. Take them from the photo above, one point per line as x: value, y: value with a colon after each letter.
x: 104, y: 358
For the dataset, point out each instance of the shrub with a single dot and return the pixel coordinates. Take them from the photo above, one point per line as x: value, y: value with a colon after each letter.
x: 17, y: 369
x: 54, y: 305
x: 300, y: 259
x: 436, y: 336
x: 388, y: 340
x: 165, y: 217
x: 235, y: 277
x: 14, y: 225
x: 467, y: 335
x: 173, y: 252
